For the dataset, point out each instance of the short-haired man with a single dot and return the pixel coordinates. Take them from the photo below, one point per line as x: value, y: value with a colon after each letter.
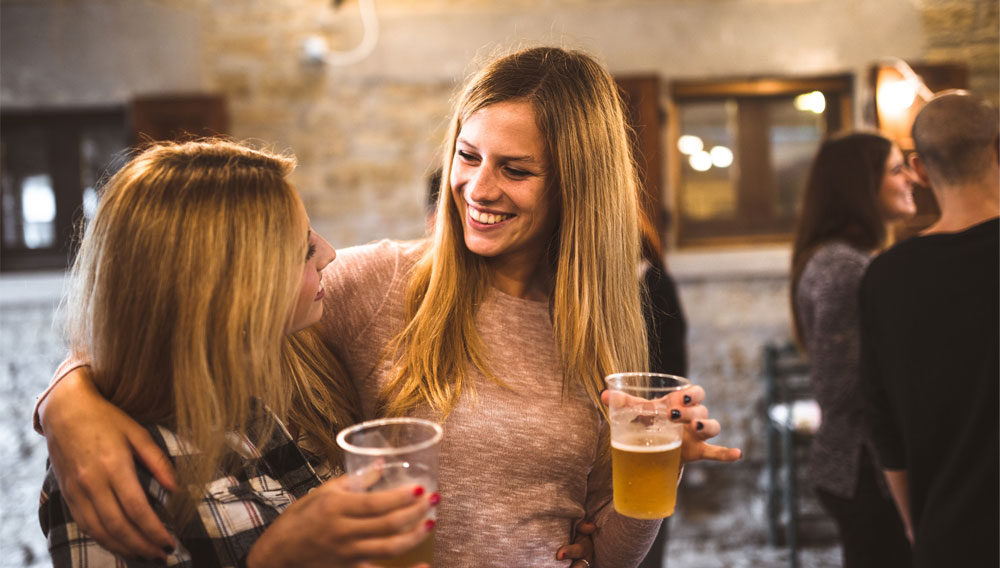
x: 930, y: 318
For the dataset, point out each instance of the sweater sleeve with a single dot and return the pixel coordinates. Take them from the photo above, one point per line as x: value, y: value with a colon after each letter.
x: 66, y: 367
x: 620, y: 541
x: 827, y: 299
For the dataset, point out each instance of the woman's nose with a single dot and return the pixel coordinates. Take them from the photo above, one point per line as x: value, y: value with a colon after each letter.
x: 482, y: 187
x: 327, y: 253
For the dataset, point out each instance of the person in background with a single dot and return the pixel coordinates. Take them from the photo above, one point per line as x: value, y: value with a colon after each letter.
x: 857, y: 187
x: 930, y: 343
x: 507, y: 319
x: 196, y: 270
x: 666, y: 333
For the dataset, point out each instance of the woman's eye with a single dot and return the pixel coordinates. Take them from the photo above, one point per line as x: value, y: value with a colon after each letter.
x: 311, y: 251
x: 466, y: 156
x: 516, y: 173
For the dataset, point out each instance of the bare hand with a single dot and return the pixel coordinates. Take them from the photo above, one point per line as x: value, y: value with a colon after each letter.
x: 582, y: 547
x: 335, y: 527
x: 91, y: 444
x: 698, y: 427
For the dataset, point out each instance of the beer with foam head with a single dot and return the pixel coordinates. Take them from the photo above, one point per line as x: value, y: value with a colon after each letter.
x: 645, y: 443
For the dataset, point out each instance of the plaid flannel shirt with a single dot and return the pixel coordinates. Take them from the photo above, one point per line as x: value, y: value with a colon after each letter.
x: 234, y: 510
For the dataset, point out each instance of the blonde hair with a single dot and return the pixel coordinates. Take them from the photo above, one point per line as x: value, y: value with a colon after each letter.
x: 182, y: 291
x: 595, y: 306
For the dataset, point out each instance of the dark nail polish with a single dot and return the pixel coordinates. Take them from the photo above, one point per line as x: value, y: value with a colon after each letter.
x: 700, y: 426
x: 675, y: 414
x: 687, y: 399
x: 429, y: 524
x: 168, y: 550
x: 435, y: 499
x: 418, y: 491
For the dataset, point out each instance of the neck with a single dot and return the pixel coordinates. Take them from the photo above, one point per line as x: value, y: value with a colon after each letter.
x: 966, y: 205
x: 528, y: 279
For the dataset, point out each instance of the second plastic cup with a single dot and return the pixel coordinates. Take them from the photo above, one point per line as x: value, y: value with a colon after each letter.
x: 406, y: 451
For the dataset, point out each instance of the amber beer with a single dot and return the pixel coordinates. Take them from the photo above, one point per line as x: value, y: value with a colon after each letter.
x: 645, y: 477
x: 423, y: 552
x: 645, y: 442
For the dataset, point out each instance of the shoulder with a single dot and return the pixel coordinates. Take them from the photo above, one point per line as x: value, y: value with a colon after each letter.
x: 833, y: 264
x: 66, y: 540
x: 374, y: 262
x: 837, y: 255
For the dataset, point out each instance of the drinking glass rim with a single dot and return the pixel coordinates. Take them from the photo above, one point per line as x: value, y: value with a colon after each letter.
x: 366, y: 451
x: 684, y: 381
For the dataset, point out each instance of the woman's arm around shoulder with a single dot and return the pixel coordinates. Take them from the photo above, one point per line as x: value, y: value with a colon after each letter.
x: 91, y: 444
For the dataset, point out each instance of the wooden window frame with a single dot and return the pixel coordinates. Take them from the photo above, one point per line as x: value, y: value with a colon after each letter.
x: 62, y: 130
x: 754, y: 222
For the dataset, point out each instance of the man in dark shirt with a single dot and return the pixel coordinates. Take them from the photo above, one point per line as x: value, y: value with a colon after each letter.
x: 930, y: 318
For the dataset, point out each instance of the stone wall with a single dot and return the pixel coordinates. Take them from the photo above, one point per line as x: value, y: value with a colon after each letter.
x: 965, y: 31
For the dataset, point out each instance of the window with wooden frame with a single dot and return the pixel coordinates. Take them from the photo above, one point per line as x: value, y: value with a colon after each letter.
x: 740, y: 150
x: 50, y: 164
x: 53, y: 160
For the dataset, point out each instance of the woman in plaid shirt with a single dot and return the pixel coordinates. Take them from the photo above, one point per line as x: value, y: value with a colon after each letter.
x: 198, y: 266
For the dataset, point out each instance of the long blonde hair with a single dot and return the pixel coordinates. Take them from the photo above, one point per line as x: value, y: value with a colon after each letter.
x: 182, y: 290
x: 594, y: 302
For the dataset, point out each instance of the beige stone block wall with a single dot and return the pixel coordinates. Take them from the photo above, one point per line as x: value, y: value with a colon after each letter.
x: 966, y: 31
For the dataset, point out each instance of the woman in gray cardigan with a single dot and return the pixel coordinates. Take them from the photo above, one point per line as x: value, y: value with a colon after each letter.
x: 858, y: 185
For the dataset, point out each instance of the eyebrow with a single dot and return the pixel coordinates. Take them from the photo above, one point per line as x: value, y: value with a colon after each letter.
x: 503, y: 158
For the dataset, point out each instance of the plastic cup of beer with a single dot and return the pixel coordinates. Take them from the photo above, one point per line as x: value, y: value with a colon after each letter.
x: 645, y: 443
x: 405, y: 450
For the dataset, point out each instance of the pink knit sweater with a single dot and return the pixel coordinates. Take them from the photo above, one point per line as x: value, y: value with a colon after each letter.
x: 518, y: 466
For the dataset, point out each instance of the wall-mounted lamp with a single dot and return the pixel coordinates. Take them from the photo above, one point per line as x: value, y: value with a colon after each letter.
x: 899, y: 86
x: 899, y: 94
x: 316, y: 49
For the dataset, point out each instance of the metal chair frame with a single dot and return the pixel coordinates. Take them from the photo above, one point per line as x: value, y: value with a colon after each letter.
x: 781, y: 365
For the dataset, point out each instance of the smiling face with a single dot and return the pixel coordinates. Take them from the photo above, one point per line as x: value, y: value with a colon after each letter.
x: 309, y: 301
x: 895, y: 194
x: 499, y: 181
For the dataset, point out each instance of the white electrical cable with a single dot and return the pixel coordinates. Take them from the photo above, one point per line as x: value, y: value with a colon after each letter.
x: 368, y: 40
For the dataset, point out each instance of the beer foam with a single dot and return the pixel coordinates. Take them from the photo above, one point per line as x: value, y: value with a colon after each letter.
x: 645, y: 449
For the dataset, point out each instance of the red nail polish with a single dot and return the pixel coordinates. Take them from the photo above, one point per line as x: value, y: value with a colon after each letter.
x: 435, y: 498
x: 561, y: 556
x: 429, y: 524
x: 418, y: 491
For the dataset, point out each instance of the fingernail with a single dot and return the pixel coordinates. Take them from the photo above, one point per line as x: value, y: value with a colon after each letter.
x: 429, y: 524
x: 675, y: 414
x: 168, y: 550
x: 561, y: 555
x: 700, y: 426
x: 418, y: 491
x: 687, y: 399
x: 435, y: 498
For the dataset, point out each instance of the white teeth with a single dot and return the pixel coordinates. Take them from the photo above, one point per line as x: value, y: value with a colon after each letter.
x: 487, y: 218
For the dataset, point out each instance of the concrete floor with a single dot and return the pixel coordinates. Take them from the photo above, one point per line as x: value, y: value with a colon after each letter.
x: 721, y: 522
